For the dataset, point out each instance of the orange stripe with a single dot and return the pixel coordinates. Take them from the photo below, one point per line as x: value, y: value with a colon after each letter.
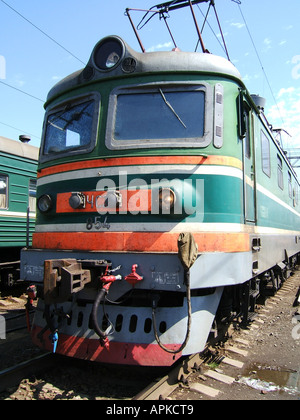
x: 132, y: 201
x: 146, y: 160
x: 139, y: 241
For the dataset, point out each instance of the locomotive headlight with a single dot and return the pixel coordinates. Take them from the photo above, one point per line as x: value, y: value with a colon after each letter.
x: 45, y: 203
x: 167, y: 199
x: 108, y: 53
x: 77, y: 200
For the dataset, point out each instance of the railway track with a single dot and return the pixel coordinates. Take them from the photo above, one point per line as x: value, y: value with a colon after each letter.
x: 200, y: 376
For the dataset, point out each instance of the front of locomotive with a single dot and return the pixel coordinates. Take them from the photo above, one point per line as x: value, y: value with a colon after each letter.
x: 133, y: 149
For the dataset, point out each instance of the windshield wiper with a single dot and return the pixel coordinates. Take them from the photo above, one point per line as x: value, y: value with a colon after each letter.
x: 171, y: 108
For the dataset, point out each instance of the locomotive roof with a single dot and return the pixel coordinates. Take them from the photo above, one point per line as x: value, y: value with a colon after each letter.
x: 18, y: 148
x: 149, y: 62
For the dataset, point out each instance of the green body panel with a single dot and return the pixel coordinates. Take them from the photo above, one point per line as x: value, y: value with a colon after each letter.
x: 276, y: 207
x: 222, y: 202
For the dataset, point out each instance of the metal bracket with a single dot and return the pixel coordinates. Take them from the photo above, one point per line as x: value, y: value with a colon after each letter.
x: 62, y: 278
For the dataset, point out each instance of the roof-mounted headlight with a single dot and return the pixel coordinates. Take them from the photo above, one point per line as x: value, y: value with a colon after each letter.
x: 108, y: 53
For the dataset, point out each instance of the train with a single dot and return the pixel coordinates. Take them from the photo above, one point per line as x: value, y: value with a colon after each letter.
x: 165, y: 206
x: 18, y: 177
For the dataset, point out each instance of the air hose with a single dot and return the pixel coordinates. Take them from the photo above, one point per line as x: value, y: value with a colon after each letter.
x: 52, y: 326
x: 187, y: 253
x: 107, y: 281
x: 189, y: 321
x: 100, y: 297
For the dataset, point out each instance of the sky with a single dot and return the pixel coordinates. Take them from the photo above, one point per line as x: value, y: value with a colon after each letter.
x: 31, y: 63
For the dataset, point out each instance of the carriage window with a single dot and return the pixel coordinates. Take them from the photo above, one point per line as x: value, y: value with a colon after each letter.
x: 265, y: 154
x: 70, y: 128
x: 159, y: 117
x: 32, y: 195
x: 3, y: 191
x: 279, y: 172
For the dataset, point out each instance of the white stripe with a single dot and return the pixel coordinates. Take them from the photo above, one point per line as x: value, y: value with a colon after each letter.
x: 169, y: 227
x: 16, y: 214
x: 154, y: 170
x: 273, y: 197
x: 149, y: 227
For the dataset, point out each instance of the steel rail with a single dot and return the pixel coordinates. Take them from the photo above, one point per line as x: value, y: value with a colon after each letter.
x: 12, y: 376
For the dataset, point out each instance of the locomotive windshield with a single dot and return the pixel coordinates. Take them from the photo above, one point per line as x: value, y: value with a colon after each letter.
x: 69, y: 129
x: 160, y: 115
x: 157, y: 117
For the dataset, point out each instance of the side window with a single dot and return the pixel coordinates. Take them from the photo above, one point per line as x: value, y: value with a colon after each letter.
x: 296, y: 195
x: 32, y: 195
x: 245, y: 124
x: 247, y: 134
x: 265, y: 154
x: 290, y: 185
x: 279, y: 172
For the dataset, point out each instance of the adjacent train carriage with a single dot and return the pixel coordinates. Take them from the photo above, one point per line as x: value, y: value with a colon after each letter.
x: 18, y: 168
x: 163, y: 203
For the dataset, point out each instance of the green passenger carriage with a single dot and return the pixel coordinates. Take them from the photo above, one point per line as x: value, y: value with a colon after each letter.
x: 161, y: 185
x: 18, y: 168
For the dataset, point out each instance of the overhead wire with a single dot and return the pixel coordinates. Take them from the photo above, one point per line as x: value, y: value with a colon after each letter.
x: 19, y: 130
x: 43, y: 32
x: 53, y: 40
x: 22, y: 91
x: 260, y: 61
x: 25, y: 93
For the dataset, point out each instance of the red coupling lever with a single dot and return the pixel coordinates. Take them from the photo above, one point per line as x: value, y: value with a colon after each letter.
x: 108, y: 280
x: 133, y: 278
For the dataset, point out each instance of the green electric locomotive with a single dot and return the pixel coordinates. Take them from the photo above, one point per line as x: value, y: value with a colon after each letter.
x: 163, y: 203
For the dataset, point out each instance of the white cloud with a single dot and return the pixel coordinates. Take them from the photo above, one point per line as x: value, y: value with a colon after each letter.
x: 284, y: 91
x: 18, y: 80
x: 160, y: 47
x: 285, y: 114
x: 238, y: 25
